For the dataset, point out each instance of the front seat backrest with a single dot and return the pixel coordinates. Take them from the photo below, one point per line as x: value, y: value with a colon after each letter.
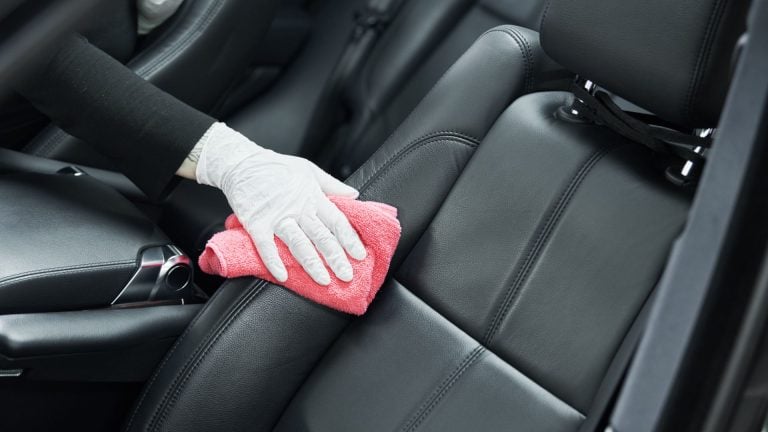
x: 195, y: 56
x: 530, y: 244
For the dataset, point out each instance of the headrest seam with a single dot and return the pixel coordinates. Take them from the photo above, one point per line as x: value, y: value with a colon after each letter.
x: 702, y: 58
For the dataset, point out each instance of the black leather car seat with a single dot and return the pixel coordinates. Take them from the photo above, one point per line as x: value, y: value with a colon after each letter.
x: 423, y: 39
x: 195, y: 56
x: 530, y: 243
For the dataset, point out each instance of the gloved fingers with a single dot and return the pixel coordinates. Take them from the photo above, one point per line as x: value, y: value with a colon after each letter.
x: 328, y: 246
x: 337, y: 222
x: 265, y: 245
x: 291, y: 234
x: 332, y: 186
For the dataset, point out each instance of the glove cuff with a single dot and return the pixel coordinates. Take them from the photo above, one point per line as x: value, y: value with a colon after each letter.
x: 222, y: 149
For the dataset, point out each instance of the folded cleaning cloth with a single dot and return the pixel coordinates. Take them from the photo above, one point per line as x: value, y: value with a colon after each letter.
x: 231, y: 254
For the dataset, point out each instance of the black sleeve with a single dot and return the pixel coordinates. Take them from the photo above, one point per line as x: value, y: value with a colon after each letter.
x: 144, y: 130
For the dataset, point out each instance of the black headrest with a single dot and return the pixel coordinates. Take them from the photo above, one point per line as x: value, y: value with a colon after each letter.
x: 671, y: 57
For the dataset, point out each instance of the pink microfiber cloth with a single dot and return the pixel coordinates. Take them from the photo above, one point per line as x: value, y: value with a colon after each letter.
x: 231, y: 254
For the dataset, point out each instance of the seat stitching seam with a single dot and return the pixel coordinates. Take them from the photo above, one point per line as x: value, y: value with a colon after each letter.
x: 431, y: 90
x: 232, y: 312
x: 538, y: 245
x: 528, y: 85
x: 544, y: 16
x: 525, y: 50
x: 189, y: 37
x: 216, y: 328
x: 703, y: 55
x: 20, y: 277
x: 506, y: 361
x: 439, y: 393
x: 376, y: 176
x: 163, y: 363
x: 447, y: 134
x: 175, y: 390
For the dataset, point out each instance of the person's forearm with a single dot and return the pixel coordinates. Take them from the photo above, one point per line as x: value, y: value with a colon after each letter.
x: 147, y: 132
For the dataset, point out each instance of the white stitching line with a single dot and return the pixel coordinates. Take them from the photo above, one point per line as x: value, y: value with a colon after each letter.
x: 20, y: 277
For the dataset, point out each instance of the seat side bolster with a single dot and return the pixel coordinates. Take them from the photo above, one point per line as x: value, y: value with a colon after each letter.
x: 245, y: 354
x: 431, y: 147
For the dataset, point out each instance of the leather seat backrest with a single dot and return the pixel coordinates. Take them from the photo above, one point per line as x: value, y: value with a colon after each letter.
x: 530, y: 244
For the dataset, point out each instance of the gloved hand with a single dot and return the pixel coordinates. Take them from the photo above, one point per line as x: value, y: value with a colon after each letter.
x: 274, y: 194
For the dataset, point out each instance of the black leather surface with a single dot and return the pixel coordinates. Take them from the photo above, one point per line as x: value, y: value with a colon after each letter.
x: 434, y: 136
x: 529, y: 245
x: 18, y: 162
x: 407, y: 368
x: 201, y: 385
x: 103, y: 345
x: 423, y: 40
x: 67, y: 242
x: 58, y: 333
x: 552, y: 252
x: 280, y: 118
x: 417, y: 49
x: 670, y: 57
x: 195, y: 57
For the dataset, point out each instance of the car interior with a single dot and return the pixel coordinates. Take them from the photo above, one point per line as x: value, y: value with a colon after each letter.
x: 579, y: 185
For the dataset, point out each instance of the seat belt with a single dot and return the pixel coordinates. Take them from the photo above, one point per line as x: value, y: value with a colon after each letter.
x: 370, y: 24
x: 597, y: 106
x: 600, y: 411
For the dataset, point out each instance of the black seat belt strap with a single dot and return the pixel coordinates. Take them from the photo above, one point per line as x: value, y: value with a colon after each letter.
x: 600, y: 108
x: 606, y: 394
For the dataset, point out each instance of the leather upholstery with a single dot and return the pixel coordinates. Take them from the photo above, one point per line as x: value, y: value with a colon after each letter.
x: 67, y: 242
x: 671, y: 57
x: 106, y: 345
x: 195, y: 57
x: 279, y: 338
x: 281, y: 118
x: 420, y: 45
x: 417, y: 47
x: 529, y: 245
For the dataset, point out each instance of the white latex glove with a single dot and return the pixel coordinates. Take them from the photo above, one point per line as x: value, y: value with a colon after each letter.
x: 152, y: 13
x: 274, y: 194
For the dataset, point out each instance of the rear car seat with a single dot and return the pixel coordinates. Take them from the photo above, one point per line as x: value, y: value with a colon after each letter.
x: 422, y: 40
x: 530, y: 243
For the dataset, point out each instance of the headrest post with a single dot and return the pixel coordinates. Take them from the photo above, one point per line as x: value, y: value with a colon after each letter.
x: 589, y: 86
x: 688, y: 168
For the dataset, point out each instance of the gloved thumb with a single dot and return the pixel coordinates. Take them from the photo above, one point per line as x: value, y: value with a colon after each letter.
x: 331, y: 186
